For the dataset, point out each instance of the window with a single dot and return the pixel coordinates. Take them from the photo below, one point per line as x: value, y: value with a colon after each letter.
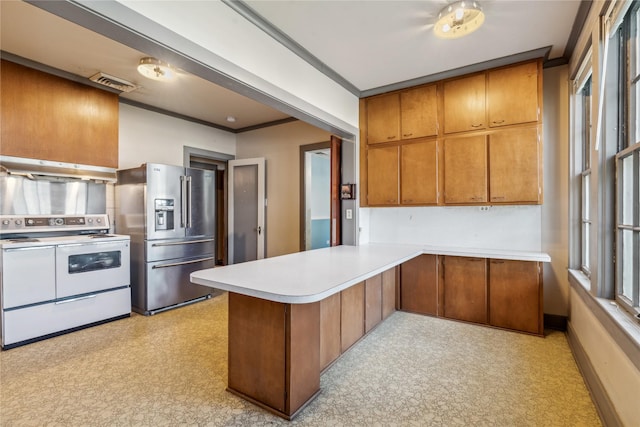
x: 628, y: 171
x: 583, y: 141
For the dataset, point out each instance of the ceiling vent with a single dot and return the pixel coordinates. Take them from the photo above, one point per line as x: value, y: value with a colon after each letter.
x: 113, y: 82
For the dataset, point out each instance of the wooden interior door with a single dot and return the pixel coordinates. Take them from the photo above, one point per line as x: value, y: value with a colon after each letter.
x: 336, y: 212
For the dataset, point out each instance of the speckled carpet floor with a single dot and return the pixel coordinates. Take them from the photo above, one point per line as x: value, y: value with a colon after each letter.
x: 171, y: 369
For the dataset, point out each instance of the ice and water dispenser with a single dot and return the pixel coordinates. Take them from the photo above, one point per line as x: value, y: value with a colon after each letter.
x: 164, y: 214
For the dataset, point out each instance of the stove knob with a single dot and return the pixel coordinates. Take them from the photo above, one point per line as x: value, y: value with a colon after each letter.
x: 30, y: 222
x: 58, y: 221
x: 90, y: 220
x: 18, y: 222
x: 5, y: 222
x: 98, y: 220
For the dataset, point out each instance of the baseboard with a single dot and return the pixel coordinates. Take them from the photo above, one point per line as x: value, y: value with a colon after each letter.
x: 603, y: 404
x: 555, y: 322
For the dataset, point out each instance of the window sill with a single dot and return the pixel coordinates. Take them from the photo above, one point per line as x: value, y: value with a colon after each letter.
x: 621, y: 325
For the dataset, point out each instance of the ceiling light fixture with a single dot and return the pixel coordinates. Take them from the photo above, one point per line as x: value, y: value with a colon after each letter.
x: 459, y: 19
x: 155, y: 69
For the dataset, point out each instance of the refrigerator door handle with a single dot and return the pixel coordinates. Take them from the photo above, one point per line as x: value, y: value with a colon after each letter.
x: 190, y: 242
x: 183, y: 200
x: 189, y: 201
x: 175, y: 264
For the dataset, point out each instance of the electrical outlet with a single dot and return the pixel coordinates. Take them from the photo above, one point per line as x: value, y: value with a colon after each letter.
x: 349, y: 213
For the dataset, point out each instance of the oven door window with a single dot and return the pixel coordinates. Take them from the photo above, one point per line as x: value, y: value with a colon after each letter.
x: 83, y: 263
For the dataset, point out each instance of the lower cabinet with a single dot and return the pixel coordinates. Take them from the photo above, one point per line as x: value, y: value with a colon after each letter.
x: 419, y: 285
x: 330, y: 345
x: 372, y: 302
x: 352, y: 315
x: 515, y: 295
x: 389, y: 292
x: 465, y: 288
x: 502, y: 293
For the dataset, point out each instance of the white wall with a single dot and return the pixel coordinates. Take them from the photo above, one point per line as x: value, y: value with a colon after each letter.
x: 280, y: 146
x: 555, y: 209
x: 149, y: 137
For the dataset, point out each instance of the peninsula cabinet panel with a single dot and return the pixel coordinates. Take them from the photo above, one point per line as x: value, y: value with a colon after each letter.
x: 383, y: 118
x: 465, y: 289
x: 419, y: 173
x: 465, y: 104
x: 515, y: 166
x: 512, y: 94
x: 382, y: 176
x: 373, y: 302
x: 330, y: 345
x: 50, y: 118
x: 465, y: 170
x: 419, y: 285
x: 419, y: 112
x: 389, y: 292
x: 352, y: 309
x: 515, y: 296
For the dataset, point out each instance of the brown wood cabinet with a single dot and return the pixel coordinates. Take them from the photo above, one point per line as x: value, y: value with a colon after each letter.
x: 389, y: 292
x: 383, y: 118
x: 419, y: 173
x: 515, y: 295
x: 330, y: 344
x: 465, y: 289
x: 419, y: 112
x: 352, y: 315
x: 465, y: 104
x: 382, y: 172
x: 419, y: 285
x: 50, y: 118
x: 515, y: 174
x: 512, y: 95
x: 373, y: 302
x: 465, y: 170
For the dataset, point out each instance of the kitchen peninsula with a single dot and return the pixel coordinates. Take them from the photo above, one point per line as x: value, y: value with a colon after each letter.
x: 287, y: 313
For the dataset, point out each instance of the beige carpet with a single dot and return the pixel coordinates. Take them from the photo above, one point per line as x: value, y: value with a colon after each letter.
x: 171, y: 368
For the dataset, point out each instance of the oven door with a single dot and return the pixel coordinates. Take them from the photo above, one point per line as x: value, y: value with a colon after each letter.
x: 83, y: 268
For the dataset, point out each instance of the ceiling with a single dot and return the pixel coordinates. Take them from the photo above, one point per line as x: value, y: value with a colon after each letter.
x: 369, y: 46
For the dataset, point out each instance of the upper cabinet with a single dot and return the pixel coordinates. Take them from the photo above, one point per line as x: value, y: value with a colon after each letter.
x: 50, y: 118
x: 512, y: 95
x: 405, y: 115
x: 469, y: 140
x: 464, y: 104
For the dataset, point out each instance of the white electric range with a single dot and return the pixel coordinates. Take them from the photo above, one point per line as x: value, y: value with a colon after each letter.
x: 59, y: 274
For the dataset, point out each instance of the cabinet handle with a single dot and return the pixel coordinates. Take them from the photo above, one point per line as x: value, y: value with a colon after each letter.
x: 407, y: 201
x: 391, y: 137
x: 476, y: 126
x: 497, y: 262
x: 498, y: 198
x: 497, y: 122
x: 407, y: 134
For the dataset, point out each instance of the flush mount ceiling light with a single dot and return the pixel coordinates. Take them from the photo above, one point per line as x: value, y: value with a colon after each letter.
x: 459, y: 19
x: 155, y: 69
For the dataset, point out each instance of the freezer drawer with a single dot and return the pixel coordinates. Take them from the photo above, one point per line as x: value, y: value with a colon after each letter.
x: 39, y: 320
x: 158, y: 250
x: 168, y: 283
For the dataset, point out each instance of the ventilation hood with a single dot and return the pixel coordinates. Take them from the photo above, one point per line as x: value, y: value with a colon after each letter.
x: 33, y: 168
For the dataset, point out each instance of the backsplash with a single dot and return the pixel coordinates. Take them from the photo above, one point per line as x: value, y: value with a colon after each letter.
x: 491, y: 227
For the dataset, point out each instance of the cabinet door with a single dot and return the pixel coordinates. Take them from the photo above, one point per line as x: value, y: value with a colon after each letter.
x: 352, y: 315
x: 419, y: 173
x: 419, y: 285
x: 388, y: 292
x: 515, y: 295
x: 505, y: 108
x: 373, y: 302
x: 383, y: 118
x: 419, y: 112
x: 465, y: 170
x: 330, y: 345
x: 464, y: 104
x: 382, y: 176
x: 465, y: 289
x: 514, y: 159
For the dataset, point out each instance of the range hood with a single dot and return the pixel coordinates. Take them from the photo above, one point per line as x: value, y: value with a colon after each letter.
x: 34, y: 168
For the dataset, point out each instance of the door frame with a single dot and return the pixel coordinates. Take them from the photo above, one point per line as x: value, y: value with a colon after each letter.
x: 262, y: 205
x: 304, y: 149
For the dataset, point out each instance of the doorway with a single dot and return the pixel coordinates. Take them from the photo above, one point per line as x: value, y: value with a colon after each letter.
x: 218, y: 162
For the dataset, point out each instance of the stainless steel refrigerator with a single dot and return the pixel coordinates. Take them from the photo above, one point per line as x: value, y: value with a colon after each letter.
x: 169, y: 212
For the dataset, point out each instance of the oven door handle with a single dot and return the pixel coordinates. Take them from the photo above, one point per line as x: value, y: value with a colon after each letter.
x: 70, y: 245
x: 190, y: 242
x: 176, y: 264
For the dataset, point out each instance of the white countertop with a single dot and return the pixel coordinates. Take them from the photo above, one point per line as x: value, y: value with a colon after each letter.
x: 311, y: 276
